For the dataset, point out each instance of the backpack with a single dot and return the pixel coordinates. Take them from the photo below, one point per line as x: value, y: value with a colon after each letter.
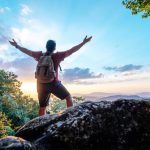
x: 45, y: 72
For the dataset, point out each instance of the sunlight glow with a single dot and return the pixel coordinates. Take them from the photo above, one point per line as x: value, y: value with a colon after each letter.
x: 29, y: 88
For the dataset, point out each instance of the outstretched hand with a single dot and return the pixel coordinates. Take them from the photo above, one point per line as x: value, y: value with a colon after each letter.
x: 13, y: 42
x: 87, y: 39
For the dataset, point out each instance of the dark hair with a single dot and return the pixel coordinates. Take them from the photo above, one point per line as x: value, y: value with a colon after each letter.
x: 50, y: 46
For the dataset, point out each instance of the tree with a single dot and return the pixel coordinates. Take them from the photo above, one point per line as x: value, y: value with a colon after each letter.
x: 77, y: 100
x: 16, y: 106
x: 9, y: 84
x: 58, y: 105
x: 5, y: 126
x: 138, y: 6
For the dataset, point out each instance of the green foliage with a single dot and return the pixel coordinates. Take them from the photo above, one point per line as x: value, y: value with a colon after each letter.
x: 58, y: 105
x: 9, y: 130
x: 20, y: 109
x: 77, y: 100
x: 9, y: 83
x: 138, y: 6
x: 13, y: 103
x: 5, y: 126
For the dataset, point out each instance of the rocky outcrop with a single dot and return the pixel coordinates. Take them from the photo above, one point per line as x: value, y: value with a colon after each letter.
x: 119, y: 125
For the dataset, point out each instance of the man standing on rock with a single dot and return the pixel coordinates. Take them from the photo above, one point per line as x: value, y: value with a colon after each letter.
x: 47, y: 72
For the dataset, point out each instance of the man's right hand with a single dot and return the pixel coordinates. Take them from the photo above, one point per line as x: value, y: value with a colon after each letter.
x: 13, y: 43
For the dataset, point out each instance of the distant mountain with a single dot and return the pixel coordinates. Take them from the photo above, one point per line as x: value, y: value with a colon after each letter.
x: 100, y: 94
x: 144, y: 94
x: 116, y: 97
x: 96, y: 96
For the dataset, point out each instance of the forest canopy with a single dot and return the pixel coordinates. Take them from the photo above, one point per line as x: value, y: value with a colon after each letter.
x: 15, y: 108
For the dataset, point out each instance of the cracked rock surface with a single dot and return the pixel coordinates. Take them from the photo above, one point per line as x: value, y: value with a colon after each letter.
x: 103, y: 125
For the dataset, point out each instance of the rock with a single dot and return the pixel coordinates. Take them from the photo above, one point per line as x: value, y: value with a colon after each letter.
x: 34, y: 128
x: 119, y: 125
x: 11, y: 143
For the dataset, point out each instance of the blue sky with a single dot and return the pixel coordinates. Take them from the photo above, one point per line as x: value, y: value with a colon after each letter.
x: 116, y: 60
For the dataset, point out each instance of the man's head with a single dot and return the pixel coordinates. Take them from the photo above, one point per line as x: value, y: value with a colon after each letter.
x: 50, y: 46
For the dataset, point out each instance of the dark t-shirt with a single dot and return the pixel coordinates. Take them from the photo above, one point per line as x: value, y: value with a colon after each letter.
x: 57, y: 58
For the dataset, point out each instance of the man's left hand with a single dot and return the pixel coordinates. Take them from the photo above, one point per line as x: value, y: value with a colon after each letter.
x: 87, y: 39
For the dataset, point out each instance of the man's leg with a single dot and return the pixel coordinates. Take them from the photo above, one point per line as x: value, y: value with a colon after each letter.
x: 69, y: 101
x: 42, y: 111
x: 61, y: 92
x: 43, y: 102
x: 43, y: 97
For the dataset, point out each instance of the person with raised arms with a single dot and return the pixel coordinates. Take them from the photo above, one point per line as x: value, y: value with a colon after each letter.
x: 47, y: 72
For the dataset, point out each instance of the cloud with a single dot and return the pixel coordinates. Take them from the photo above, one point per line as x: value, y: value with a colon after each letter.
x: 4, y: 9
x: 6, y: 50
x: 129, y: 67
x: 130, y: 73
x: 23, y: 67
x: 2, y: 38
x: 3, y: 47
x: 25, y: 10
x: 75, y: 74
x: 36, y: 33
x: 32, y: 35
x: 4, y: 33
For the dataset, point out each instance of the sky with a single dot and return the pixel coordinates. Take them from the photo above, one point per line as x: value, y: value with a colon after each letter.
x: 116, y: 60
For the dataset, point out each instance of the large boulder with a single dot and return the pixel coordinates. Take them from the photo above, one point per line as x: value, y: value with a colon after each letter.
x: 119, y: 125
x: 15, y: 143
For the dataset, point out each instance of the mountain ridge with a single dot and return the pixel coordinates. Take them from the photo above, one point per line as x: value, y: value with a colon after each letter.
x: 114, y: 96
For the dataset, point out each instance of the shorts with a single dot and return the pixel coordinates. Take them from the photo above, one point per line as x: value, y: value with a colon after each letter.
x: 45, y: 89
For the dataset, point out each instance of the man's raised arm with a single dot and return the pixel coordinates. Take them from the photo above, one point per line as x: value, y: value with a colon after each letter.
x: 22, y: 49
x: 77, y: 47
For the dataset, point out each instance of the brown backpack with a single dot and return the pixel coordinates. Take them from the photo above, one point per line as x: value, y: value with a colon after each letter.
x: 45, y: 72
